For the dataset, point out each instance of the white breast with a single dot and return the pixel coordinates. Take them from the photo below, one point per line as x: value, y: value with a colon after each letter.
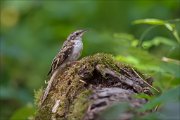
x: 78, y: 46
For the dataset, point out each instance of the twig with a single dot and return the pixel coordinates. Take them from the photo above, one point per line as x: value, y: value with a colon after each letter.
x: 144, y: 80
x: 55, y: 107
x: 156, y: 108
x: 83, y: 81
x: 165, y: 59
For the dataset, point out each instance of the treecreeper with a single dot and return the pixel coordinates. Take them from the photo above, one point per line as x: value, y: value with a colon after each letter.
x: 70, y: 51
x: 92, y: 87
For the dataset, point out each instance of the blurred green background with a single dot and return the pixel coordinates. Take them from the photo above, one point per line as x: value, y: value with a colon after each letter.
x: 32, y: 32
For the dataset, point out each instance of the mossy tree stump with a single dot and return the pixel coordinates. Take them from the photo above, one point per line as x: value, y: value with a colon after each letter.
x: 86, y: 89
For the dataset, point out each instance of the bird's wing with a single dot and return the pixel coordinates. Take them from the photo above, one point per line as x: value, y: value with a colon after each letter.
x: 61, y: 56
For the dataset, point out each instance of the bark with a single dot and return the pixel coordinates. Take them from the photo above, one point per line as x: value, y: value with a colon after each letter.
x: 91, y: 88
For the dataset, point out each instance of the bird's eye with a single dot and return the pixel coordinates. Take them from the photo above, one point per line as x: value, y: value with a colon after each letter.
x: 77, y: 33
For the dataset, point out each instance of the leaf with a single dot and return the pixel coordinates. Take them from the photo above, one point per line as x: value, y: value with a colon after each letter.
x: 170, y: 111
x: 170, y: 95
x: 150, y: 21
x: 113, y: 112
x: 143, y: 95
x: 139, y: 59
x: 23, y: 113
x: 157, y: 41
x: 169, y: 26
x: 176, y: 35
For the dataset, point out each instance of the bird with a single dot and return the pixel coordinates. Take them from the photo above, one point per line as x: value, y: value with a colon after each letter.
x: 70, y: 51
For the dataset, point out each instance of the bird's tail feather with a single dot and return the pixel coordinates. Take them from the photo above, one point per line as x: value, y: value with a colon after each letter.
x: 46, y: 92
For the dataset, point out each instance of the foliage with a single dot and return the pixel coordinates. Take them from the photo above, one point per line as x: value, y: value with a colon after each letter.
x: 164, y: 70
x: 114, y: 111
x: 23, y: 113
x: 32, y: 32
x: 164, y: 98
x: 171, y: 27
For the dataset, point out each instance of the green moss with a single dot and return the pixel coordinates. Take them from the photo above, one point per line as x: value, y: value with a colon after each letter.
x: 79, y: 106
x: 37, y: 96
x: 70, y: 91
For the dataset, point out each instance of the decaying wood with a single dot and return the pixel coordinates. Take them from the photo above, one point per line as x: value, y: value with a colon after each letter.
x: 102, y: 98
x: 84, y: 90
x: 120, y: 78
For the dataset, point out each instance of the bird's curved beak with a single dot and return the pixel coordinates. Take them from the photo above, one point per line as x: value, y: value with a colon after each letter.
x: 83, y: 31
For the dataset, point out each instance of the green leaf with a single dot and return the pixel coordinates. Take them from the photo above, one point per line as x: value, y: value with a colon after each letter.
x: 176, y: 35
x: 170, y: 111
x: 169, y: 26
x: 170, y: 95
x: 113, y: 112
x: 143, y: 95
x: 157, y: 41
x: 150, y: 21
x: 23, y: 113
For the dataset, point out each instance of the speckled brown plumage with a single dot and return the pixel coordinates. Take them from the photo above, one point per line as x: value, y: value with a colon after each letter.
x: 69, y: 52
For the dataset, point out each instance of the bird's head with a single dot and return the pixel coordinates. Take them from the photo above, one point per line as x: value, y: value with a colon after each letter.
x: 77, y: 35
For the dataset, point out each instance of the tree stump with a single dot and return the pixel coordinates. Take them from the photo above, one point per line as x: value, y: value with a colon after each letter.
x: 95, y: 88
